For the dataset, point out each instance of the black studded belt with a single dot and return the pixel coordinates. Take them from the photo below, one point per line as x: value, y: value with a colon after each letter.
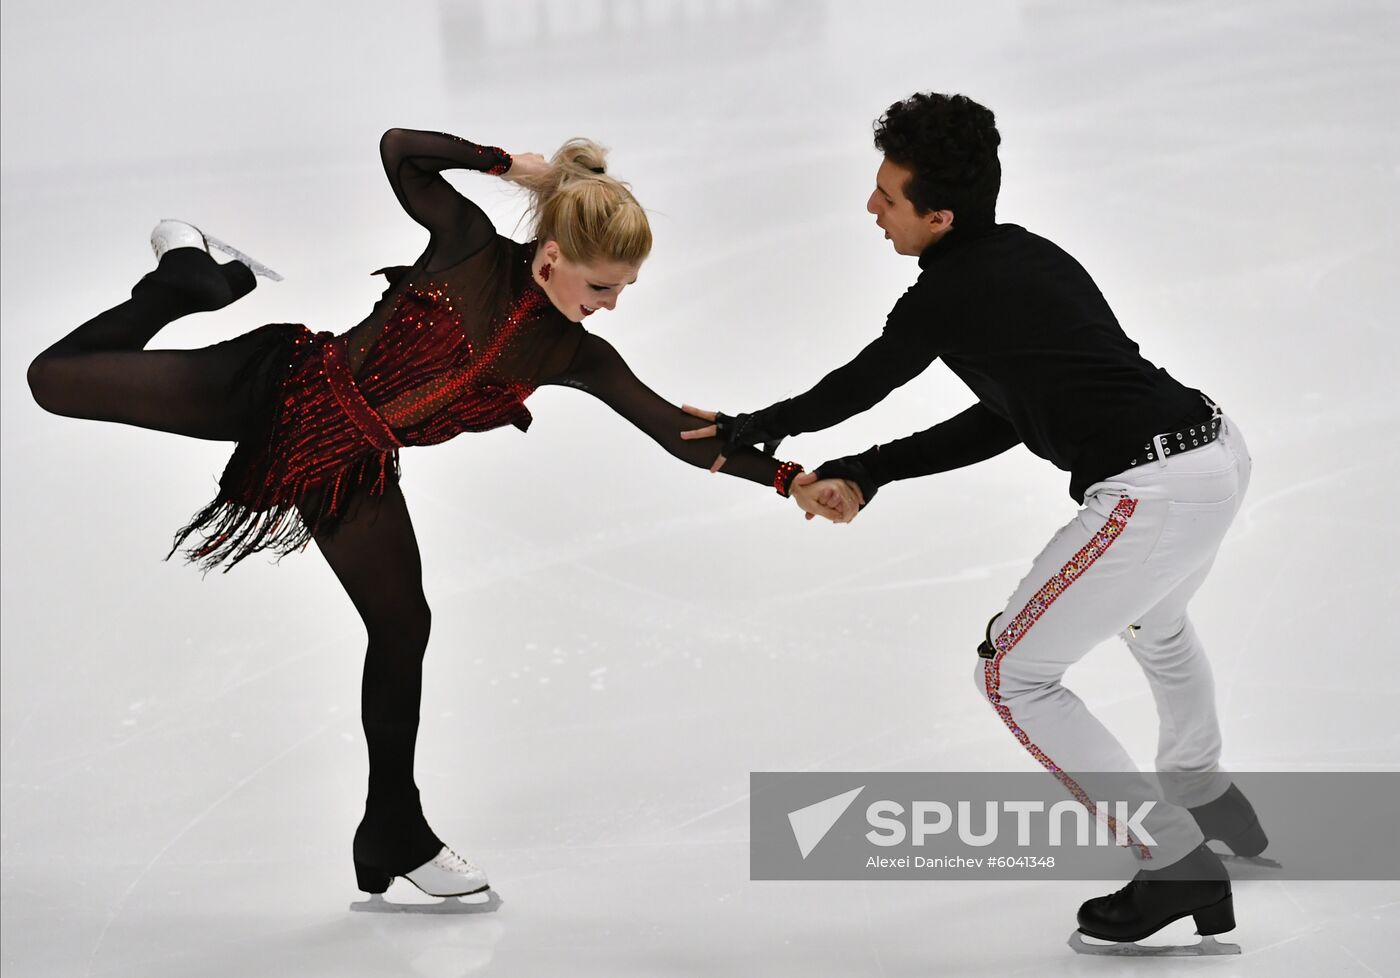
x: 1170, y: 443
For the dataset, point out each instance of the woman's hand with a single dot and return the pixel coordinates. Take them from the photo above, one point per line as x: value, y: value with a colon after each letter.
x: 526, y: 165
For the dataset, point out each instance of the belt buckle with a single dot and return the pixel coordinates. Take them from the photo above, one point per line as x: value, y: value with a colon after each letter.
x: 1160, y: 443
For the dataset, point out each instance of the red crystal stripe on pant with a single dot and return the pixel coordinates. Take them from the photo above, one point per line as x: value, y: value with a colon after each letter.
x: 1073, y: 569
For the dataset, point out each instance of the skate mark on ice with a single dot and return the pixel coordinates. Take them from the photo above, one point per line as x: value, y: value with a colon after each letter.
x: 162, y: 726
x: 816, y: 765
x: 1251, y: 509
x: 1352, y: 955
x: 870, y: 930
x: 135, y: 881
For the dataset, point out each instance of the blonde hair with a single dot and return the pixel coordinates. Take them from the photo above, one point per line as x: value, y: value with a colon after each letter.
x: 592, y: 216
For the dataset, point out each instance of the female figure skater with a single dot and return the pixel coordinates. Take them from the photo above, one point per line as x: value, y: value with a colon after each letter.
x: 457, y: 343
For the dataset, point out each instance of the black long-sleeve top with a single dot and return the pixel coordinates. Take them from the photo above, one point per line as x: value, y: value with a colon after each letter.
x: 1024, y: 326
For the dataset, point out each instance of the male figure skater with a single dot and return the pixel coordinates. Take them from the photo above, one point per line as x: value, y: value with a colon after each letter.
x: 1159, y: 470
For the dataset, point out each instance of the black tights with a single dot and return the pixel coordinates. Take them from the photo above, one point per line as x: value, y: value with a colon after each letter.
x: 102, y: 371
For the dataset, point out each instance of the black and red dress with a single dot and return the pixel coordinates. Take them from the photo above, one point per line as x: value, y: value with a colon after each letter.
x: 457, y: 343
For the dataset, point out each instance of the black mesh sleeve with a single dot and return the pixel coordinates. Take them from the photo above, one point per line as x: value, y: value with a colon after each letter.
x: 414, y: 161
x: 598, y: 369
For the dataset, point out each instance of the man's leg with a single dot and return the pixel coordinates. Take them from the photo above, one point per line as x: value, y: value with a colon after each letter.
x: 1092, y: 581
x: 1166, y: 646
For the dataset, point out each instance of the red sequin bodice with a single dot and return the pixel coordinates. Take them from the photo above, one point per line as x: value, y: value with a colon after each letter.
x: 428, y: 381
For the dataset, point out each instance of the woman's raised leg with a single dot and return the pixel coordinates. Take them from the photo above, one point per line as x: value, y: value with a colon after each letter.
x: 102, y: 371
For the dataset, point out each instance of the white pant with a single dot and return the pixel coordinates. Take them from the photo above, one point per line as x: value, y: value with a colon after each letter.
x: 1133, y: 556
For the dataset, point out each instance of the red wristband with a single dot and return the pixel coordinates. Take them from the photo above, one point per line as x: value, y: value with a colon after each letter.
x: 782, y: 480
x: 500, y: 168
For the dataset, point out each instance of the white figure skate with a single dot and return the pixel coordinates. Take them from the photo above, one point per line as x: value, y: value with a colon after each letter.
x: 446, y: 875
x: 169, y: 234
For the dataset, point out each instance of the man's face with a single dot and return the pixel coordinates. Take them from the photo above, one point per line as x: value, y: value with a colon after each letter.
x: 909, y: 231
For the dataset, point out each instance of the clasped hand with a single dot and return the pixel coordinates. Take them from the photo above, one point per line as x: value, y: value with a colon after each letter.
x: 838, y: 500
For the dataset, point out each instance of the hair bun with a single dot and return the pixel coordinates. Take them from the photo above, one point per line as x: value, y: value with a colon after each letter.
x: 590, y: 213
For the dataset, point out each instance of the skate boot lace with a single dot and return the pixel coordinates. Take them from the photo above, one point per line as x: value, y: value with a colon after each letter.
x: 1121, y: 895
x: 453, y: 863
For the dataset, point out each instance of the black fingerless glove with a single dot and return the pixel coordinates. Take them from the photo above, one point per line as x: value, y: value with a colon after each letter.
x: 850, y: 467
x: 748, y: 431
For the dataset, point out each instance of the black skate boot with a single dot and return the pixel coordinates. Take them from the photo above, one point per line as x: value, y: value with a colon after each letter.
x: 1231, y: 819
x: 187, y: 274
x: 1197, y: 885
x: 392, y: 838
x: 189, y: 280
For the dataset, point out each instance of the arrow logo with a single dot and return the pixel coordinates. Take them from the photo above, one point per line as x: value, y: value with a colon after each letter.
x: 811, y: 824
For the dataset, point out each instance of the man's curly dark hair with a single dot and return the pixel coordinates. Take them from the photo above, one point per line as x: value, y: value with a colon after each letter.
x: 950, y: 142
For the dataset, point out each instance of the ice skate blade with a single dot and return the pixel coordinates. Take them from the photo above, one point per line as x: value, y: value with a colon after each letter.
x: 257, y: 267
x: 254, y: 266
x: 488, y: 902
x: 1237, y: 863
x: 1127, y: 949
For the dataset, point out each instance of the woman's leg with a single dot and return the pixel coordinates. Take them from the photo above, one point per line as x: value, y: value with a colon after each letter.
x: 374, y: 554
x: 102, y: 371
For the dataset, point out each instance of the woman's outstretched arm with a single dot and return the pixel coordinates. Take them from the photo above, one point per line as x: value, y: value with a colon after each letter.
x: 598, y: 369
x: 414, y: 161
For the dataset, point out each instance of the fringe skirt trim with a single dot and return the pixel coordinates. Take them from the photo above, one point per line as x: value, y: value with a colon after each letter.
x: 295, y: 474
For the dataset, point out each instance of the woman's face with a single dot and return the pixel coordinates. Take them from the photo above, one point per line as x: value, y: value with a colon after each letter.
x: 577, y: 289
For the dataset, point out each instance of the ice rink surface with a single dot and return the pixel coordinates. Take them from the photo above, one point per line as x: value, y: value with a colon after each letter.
x: 619, y: 639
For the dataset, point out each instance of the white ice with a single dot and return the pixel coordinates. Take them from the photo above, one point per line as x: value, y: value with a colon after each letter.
x: 619, y: 639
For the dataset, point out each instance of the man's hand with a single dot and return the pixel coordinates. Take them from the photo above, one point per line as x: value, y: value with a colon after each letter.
x: 807, y: 501
x: 738, y: 431
x: 709, y: 431
x: 840, y: 497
